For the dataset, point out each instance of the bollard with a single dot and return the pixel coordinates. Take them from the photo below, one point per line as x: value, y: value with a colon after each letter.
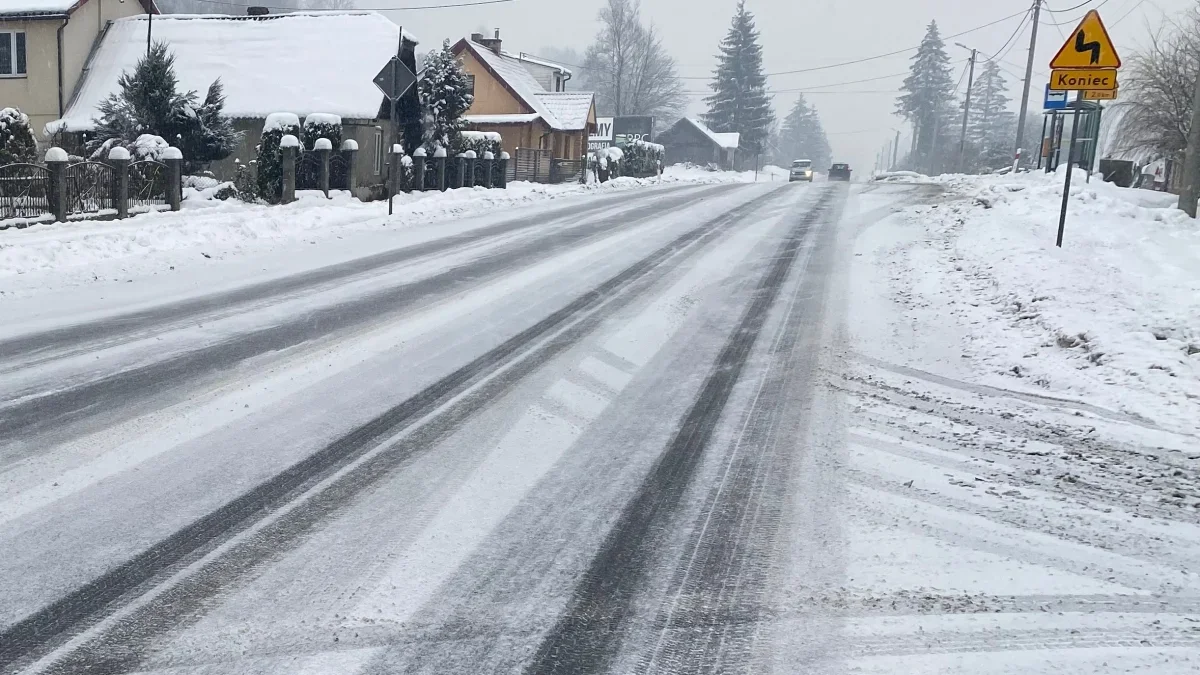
x: 468, y: 158
x: 488, y: 160
x: 504, y: 157
x: 289, y: 145
x: 350, y: 154
x: 419, y: 169
x: 323, y: 147
x: 173, y: 158
x: 118, y: 158
x: 56, y: 161
x: 439, y: 165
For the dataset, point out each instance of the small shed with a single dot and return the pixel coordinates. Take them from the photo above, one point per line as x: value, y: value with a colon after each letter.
x: 690, y: 141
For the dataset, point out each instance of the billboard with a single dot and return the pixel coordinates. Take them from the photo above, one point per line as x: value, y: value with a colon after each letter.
x: 619, y: 131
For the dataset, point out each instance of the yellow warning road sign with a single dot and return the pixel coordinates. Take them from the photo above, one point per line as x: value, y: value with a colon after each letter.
x: 1095, y: 79
x: 1100, y: 95
x: 1088, y: 47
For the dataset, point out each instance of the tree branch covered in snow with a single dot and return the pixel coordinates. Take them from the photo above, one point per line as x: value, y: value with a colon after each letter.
x: 1157, y: 84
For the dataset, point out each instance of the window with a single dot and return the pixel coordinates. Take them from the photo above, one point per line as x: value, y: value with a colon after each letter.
x: 471, y: 84
x: 12, y: 54
x: 378, y: 151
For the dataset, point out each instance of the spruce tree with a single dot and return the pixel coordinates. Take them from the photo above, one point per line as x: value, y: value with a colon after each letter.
x: 803, y: 137
x: 740, y: 102
x: 991, y: 127
x: 16, y: 138
x: 445, y: 98
x: 927, y: 100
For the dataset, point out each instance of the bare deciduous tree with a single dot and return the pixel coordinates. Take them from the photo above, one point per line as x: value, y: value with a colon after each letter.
x: 628, y: 67
x: 1157, y: 87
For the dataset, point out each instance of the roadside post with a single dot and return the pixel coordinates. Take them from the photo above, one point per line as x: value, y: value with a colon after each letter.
x: 1087, y: 62
x: 394, y: 80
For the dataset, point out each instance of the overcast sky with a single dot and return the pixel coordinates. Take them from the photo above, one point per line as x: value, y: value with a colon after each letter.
x: 803, y: 34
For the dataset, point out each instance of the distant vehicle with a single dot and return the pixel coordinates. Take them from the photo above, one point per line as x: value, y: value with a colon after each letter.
x: 839, y: 172
x: 801, y: 170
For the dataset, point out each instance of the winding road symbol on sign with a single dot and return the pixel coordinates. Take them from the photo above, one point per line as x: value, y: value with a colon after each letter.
x: 1093, y: 47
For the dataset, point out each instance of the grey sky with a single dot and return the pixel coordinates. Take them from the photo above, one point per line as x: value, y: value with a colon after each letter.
x: 802, y: 34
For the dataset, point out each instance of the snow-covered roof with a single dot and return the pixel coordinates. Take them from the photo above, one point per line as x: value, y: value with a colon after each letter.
x: 305, y: 62
x: 570, y: 108
x: 51, y: 8
x: 727, y: 141
x: 536, y: 61
x: 502, y: 119
x: 525, y: 86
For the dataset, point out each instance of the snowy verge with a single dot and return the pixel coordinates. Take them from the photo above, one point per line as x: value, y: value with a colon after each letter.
x: 1112, y: 318
x: 223, y: 228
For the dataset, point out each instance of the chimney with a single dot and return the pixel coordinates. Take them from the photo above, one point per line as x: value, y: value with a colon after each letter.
x: 477, y: 38
x: 257, y: 11
x: 491, y: 43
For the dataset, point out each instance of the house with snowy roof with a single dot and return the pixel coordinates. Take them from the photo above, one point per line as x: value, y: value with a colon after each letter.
x: 524, y: 99
x: 690, y: 141
x: 44, y: 45
x: 303, y: 63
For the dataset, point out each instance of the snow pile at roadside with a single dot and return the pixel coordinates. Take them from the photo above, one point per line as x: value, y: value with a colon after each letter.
x: 900, y: 177
x: 220, y: 227
x: 1113, y: 317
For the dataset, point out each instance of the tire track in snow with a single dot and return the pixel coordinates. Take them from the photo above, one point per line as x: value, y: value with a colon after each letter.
x: 316, y: 487
x: 53, y: 410
x: 587, y: 637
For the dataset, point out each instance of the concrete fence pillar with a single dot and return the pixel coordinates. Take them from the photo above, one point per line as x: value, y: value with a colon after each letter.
x: 439, y: 166
x: 396, y: 182
x: 118, y: 159
x: 503, y: 174
x: 469, y: 161
x: 56, y: 162
x: 289, y: 147
x: 419, y: 169
x: 350, y: 155
x: 323, y: 147
x: 489, y: 161
x: 173, y: 158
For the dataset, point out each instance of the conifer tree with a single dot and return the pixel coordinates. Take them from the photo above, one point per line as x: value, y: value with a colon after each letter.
x: 16, y: 138
x: 927, y: 100
x: 740, y: 102
x: 803, y: 137
x: 445, y: 98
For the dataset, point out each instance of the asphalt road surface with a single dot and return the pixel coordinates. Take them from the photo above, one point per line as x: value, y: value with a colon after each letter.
x: 602, y: 438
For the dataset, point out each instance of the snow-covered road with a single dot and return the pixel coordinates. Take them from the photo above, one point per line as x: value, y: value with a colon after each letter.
x: 665, y: 431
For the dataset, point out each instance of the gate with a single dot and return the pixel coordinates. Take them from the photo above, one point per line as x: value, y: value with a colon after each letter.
x: 91, y: 187
x: 566, y: 170
x: 24, y: 191
x: 339, y: 172
x: 308, y: 171
x: 480, y: 172
x: 148, y: 184
x: 531, y: 165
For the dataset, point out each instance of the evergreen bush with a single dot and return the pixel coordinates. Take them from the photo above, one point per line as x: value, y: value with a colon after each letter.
x: 16, y: 138
x: 270, y: 159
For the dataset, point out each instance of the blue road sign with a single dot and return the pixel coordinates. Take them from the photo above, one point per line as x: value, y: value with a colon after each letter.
x: 1055, y: 100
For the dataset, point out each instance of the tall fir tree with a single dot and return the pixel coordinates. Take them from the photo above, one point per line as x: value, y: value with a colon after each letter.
x: 803, y: 137
x: 926, y: 100
x: 446, y: 96
x: 740, y: 102
x: 991, y: 126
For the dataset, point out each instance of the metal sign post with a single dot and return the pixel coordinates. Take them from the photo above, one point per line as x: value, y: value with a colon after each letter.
x: 1062, y: 215
x: 394, y: 80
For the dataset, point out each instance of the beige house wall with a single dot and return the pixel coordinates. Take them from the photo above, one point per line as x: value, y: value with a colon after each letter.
x: 491, y: 97
x: 37, y: 93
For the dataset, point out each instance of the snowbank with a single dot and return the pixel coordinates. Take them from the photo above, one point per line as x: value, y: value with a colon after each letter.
x: 1113, y: 317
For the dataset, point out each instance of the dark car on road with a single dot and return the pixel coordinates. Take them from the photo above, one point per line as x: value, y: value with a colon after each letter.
x: 839, y: 172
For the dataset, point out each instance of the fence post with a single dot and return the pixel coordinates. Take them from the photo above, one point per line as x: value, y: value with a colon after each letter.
x: 439, y: 162
x: 469, y: 160
x: 56, y: 161
x: 419, y: 169
x: 350, y: 154
x: 397, y: 169
x: 504, y: 157
x: 118, y: 157
x: 173, y: 158
x: 488, y: 160
x: 323, y: 147
x: 289, y: 145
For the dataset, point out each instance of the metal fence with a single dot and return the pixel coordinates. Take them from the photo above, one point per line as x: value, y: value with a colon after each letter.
x: 308, y: 171
x: 24, y: 191
x: 91, y: 187
x: 339, y: 172
x: 148, y: 184
x: 566, y: 170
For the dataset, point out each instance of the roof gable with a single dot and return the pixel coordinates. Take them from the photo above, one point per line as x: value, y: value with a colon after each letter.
x: 727, y: 141
x: 299, y: 63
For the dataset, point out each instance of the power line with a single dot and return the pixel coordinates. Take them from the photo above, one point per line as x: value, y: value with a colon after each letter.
x: 1000, y: 53
x: 1069, y: 9
x: 474, y: 3
x: 1076, y: 19
x: 1131, y: 9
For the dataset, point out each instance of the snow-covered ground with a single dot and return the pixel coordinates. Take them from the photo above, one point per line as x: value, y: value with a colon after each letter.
x: 1021, y: 487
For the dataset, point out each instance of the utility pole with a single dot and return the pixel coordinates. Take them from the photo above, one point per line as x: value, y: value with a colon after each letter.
x: 962, y: 139
x: 896, y: 149
x: 1037, y: 11
x: 1190, y: 190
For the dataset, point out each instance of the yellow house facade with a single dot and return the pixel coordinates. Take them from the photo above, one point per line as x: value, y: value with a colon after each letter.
x: 44, y: 48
